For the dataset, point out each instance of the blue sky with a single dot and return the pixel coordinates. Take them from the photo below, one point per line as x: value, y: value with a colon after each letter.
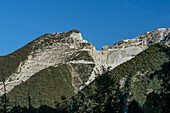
x: 101, y: 22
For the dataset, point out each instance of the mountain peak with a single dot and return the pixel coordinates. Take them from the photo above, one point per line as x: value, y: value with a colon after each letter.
x: 149, y: 38
x: 61, y: 35
x: 73, y: 30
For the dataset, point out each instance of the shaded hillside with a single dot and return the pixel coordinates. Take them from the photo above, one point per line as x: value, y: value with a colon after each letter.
x: 44, y: 87
x: 159, y: 102
x: 13, y: 60
x: 58, y: 65
x: 105, y: 95
x: 49, y: 85
x: 156, y: 101
x: 138, y: 84
x: 53, y: 49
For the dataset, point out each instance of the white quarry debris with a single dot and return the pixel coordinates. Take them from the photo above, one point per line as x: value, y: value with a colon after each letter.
x: 59, y: 53
x: 76, y: 36
x: 111, y: 59
x: 75, y: 76
x: 80, y: 62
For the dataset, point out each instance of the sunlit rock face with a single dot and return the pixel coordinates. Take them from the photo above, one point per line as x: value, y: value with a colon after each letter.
x: 54, y: 49
x: 127, y: 49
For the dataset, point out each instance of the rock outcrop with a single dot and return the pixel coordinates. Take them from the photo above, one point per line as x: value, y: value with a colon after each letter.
x: 69, y: 48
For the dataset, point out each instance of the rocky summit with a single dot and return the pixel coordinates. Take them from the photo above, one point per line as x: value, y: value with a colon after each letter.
x: 69, y: 48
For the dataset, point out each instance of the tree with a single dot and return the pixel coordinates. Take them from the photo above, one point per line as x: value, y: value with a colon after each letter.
x: 4, y: 105
x: 134, y: 108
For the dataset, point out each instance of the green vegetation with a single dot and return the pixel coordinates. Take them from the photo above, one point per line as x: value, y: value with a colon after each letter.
x: 104, y: 94
x: 9, y: 63
x: 146, y: 87
x: 159, y: 102
x: 84, y: 70
x: 4, y: 104
x: 82, y: 55
x: 13, y: 60
x: 45, y: 87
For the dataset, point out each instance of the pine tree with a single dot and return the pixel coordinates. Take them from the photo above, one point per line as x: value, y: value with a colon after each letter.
x: 4, y: 101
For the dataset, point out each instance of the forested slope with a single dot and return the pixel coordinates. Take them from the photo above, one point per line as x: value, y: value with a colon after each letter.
x: 138, y: 85
x: 106, y: 95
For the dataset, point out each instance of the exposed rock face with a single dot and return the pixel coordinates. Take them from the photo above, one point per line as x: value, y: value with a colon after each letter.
x: 127, y: 49
x: 65, y: 48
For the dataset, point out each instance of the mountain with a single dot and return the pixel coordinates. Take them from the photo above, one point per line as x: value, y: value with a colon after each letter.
x: 62, y: 64
x: 138, y: 85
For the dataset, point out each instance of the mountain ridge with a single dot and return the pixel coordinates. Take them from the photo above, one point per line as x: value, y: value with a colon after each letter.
x: 53, y: 49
